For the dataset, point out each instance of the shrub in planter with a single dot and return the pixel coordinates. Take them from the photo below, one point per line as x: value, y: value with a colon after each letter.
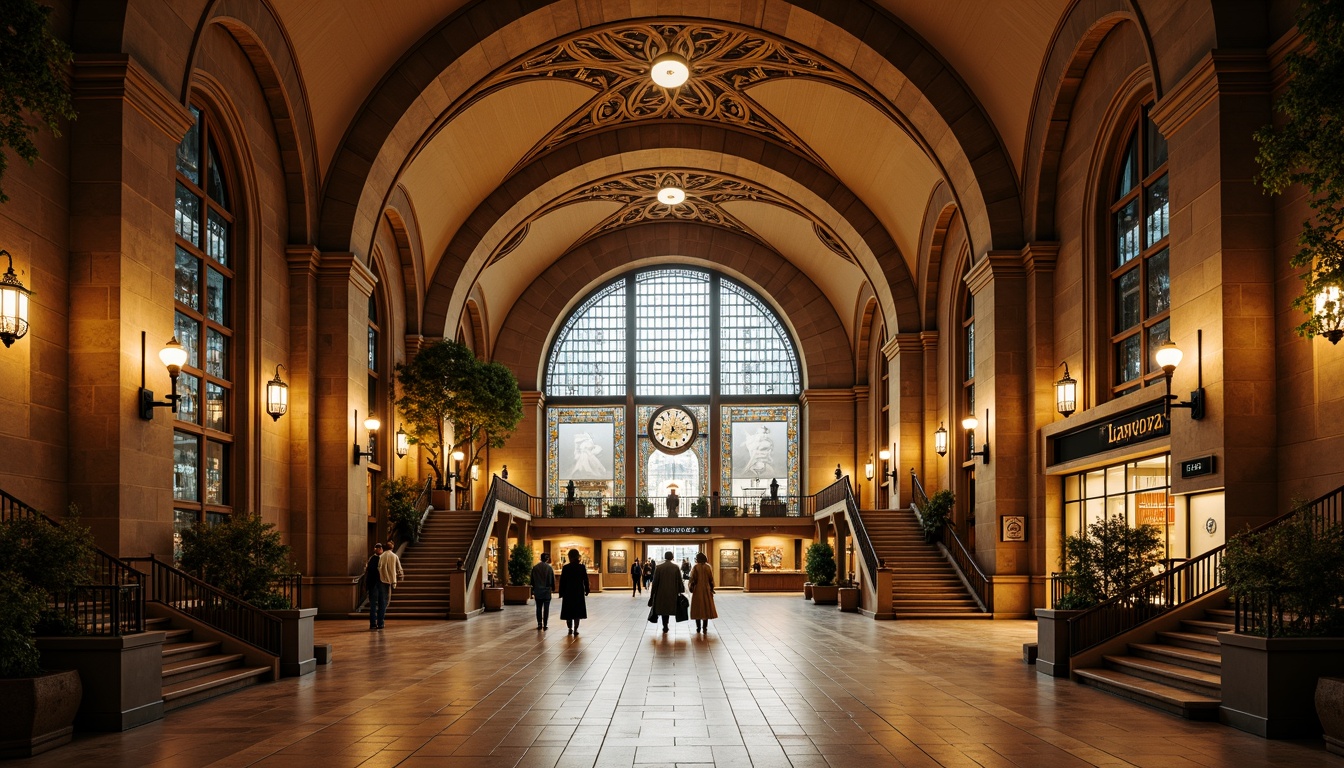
x: 728, y: 510
x: 936, y: 513
x: 242, y: 556
x: 558, y: 510
x: 644, y: 508
x: 399, y: 497
x: 38, y: 561
x: 521, y: 561
x: 700, y: 508
x: 1111, y: 558
x: 820, y: 565
x: 1293, y: 570
x: 615, y: 510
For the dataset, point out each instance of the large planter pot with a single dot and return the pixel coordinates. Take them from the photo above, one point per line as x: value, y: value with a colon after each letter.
x: 849, y: 599
x: 1330, y: 710
x: 807, y: 590
x: 494, y: 598
x: 829, y: 595
x: 1052, y: 641
x: 517, y: 594
x: 1269, y: 684
x: 39, y: 712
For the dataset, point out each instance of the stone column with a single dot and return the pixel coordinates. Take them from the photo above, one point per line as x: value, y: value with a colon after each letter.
x: 1222, y: 280
x: 303, y: 263
x: 934, y: 471
x: 122, y: 152
x: 828, y: 427
x: 905, y: 351
x: 863, y: 422
x: 1044, y: 517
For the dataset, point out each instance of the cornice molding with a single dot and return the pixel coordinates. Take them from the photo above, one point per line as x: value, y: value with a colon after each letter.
x: 827, y: 396
x: 302, y: 259
x: 348, y: 266
x: 929, y: 339
x: 1040, y: 257
x: 100, y: 76
x: 994, y: 265
x: 903, y: 342
x: 1220, y: 73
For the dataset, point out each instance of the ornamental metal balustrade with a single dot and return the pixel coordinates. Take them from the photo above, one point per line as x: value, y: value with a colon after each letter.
x: 655, y: 507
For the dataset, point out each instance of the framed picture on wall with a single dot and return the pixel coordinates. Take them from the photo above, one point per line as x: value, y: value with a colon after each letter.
x: 1012, y: 528
x: 616, y: 561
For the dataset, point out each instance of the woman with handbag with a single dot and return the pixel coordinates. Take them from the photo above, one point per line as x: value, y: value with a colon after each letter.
x: 667, y: 587
x: 702, y: 594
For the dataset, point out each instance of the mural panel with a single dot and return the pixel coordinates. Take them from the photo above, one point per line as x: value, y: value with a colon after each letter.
x: 587, y: 446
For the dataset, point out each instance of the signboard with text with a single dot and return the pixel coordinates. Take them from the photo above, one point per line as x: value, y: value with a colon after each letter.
x: 672, y: 530
x: 1136, y: 426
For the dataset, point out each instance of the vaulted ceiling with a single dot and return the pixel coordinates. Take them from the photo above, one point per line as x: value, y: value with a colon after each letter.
x: 544, y: 132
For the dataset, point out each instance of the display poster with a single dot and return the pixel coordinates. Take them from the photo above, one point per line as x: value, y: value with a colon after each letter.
x: 769, y: 558
x: 616, y: 561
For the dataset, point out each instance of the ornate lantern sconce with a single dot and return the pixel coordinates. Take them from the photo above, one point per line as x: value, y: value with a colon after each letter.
x: 277, y: 395
x: 1066, y: 393
x: 13, y: 305
x: 1169, y: 356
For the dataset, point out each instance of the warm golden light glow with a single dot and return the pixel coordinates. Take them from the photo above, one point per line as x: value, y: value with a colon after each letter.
x: 174, y: 356
x: 1169, y: 356
x: 13, y: 305
x: 372, y: 424
x: 969, y: 423
x: 671, y: 195
x: 884, y: 455
x: 670, y: 70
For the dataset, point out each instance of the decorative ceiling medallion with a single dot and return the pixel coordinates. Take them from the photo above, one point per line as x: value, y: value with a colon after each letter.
x: 705, y: 195
x: 724, y: 62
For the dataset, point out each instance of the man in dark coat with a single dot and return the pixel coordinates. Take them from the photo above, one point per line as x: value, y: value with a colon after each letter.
x: 378, y: 591
x: 636, y: 578
x: 667, y: 584
x: 543, y: 584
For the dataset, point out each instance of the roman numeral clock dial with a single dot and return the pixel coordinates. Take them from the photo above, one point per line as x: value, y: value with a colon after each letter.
x: 673, y: 429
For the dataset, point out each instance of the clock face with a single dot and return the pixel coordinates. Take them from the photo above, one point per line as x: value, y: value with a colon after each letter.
x: 672, y: 429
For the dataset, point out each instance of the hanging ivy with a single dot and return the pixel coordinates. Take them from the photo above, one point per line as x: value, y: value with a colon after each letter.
x: 1308, y: 149
x: 32, y: 79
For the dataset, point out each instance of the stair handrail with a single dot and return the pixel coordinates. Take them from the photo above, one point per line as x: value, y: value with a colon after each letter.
x: 111, y: 617
x: 1177, y: 586
x: 422, y: 501
x: 981, y: 586
x: 860, y: 533
x: 512, y: 495
x: 483, y: 527
x: 212, y: 606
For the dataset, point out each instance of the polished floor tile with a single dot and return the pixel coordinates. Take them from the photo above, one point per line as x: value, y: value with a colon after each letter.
x: 776, y: 682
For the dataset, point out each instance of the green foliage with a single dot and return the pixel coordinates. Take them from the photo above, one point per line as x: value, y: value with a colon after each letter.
x: 558, y: 509
x: 1111, y: 558
x: 820, y: 564
x: 32, y: 79
x: 399, y: 497
x: 446, y: 383
x: 38, y: 562
x: 936, y: 513
x: 520, y: 565
x: 1308, y: 149
x: 700, y: 507
x: 643, y: 508
x: 728, y: 510
x: 242, y: 556
x: 615, y: 510
x: 1295, y: 569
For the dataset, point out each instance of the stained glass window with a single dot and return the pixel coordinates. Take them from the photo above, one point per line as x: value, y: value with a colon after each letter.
x: 755, y: 354
x: 589, y: 354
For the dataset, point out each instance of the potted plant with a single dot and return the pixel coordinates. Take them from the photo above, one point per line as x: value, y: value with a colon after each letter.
x: 1330, y: 710
x: 558, y: 509
x: 243, y: 556
x: 643, y: 508
x: 700, y: 507
x: 821, y: 572
x: 1292, y: 576
x: 520, y: 575
x: 399, y: 498
x: 728, y: 510
x: 935, y: 514
x: 615, y: 510
x: 849, y: 595
x: 40, y: 564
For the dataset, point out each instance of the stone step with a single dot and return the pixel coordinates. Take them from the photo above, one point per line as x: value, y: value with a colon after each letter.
x: 919, y: 614
x: 1205, y: 661
x: 189, y: 650
x: 1205, y: 627
x: 1193, y: 680
x: 207, y: 687
x: 190, y: 669
x: 1193, y: 640
x: 1167, y: 698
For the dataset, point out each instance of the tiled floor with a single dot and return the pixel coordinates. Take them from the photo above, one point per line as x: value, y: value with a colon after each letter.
x: 778, y: 682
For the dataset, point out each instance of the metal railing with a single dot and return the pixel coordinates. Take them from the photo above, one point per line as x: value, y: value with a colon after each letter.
x: 290, y: 588
x: 982, y: 587
x: 483, y: 527
x: 187, y: 594
x: 512, y: 495
x: 688, y: 507
x: 1263, y: 613
x: 112, y: 604
x: 857, y: 529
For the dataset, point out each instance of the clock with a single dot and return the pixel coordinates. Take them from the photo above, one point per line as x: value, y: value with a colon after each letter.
x: 673, y: 429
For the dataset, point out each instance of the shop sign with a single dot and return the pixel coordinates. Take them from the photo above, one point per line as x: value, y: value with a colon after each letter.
x: 1136, y: 426
x: 1196, y: 467
x: 673, y: 530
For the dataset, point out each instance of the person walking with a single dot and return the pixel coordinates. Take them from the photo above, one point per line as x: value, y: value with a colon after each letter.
x: 667, y: 584
x: 702, y: 594
x: 389, y: 569
x: 685, y: 568
x: 573, y: 592
x: 378, y: 591
x: 648, y: 574
x: 543, y: 584
x: 636, y: 578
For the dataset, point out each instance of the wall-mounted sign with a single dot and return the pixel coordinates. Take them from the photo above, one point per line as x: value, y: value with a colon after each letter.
x: 1135, y: 426
x: 1204, y: 465
x: 1012, y: 528
x: 672, y: 530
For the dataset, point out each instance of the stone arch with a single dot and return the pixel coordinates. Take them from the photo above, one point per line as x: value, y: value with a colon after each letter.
x: 528, y: 330
x: 919, y: 84
x: 405, y: 229
x: 266, y: 45
x: 938, y: 215
x: 893, y: 284
x: 474, y: 318
x: 863, y: 327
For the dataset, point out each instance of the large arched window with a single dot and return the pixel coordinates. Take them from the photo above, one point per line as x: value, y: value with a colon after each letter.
x: 203, y: 434
x: 1140, y: 284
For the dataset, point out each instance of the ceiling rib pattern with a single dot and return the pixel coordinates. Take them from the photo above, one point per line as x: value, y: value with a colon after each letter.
x: 706, y: 193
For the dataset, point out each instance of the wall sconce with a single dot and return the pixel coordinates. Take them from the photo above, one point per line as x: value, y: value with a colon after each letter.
x: 454, y: 474
x: 970, y: 424
x: 174, y: 356
x: 1066, y: 393
x: 885, y: 456
x: 13, y: 305
x: 403, y: 443
x: 868, y: 468
x: 371, y: 425
x: 277, y: 395
x: 476, y: 470
x: 1169, y: 356
x: 1329, y: 315
x: 940, y: 440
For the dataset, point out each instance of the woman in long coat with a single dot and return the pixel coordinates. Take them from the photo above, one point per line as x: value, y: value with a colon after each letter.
x: 573, y: 592
x: 667, y: 585
x: 702, y: 594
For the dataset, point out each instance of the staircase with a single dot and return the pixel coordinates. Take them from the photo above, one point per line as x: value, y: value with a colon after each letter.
x: 444, y: 540
x: 1180, y: 673
x: 196, y: 670
x: 924, y: 584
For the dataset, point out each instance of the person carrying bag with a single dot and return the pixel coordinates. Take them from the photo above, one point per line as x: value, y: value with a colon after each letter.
x: 667, y: 587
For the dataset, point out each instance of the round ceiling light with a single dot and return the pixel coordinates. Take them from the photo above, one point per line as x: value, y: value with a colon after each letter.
x: 669, y: 70
x: 670, y: 195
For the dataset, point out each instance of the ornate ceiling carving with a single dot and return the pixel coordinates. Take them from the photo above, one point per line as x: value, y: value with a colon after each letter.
x: 637, y: 194
x: 724, y: 61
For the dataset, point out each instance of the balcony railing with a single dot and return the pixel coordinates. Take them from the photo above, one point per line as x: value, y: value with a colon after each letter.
x: 687, y: 507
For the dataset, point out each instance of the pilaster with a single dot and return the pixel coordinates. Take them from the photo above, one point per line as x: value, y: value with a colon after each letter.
x: 906, y: 377
x: 828, y: 427
x: 1038, y: 261
x: 303, y: 261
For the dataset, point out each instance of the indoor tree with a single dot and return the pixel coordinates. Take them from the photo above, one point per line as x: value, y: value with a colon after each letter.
x: 1307, y: 148
x: 33, y: 81
x: 444, y: 384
